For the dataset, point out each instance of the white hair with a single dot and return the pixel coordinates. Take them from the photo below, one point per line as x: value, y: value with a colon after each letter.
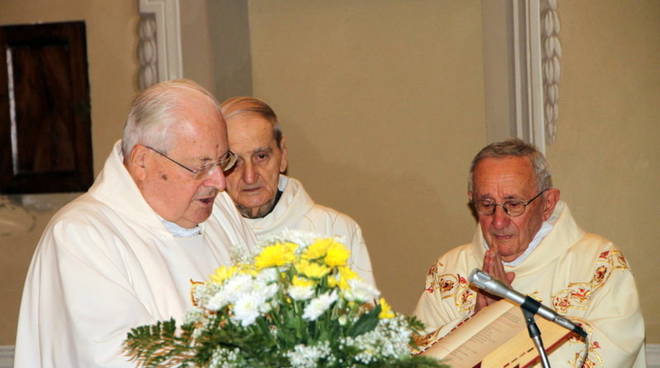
x: 154, y: 111
x: 515, y: 147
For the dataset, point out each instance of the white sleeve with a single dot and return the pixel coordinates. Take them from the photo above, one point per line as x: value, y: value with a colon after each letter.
x: 78, y: 302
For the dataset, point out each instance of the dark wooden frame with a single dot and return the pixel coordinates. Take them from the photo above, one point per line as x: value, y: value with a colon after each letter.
x: 45, y: 123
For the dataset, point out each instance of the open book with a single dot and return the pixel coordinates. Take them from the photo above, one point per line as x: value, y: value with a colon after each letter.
x: 496, y: 337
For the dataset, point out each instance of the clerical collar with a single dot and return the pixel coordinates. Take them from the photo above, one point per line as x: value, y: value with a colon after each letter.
x: 278, y: 195
x: 277, y: 199
x: 181, y: 232
x: 545, y: 229
x: 281, y: 186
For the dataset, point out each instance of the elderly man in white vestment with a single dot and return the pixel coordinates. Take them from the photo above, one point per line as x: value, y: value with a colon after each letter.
x: 124, y: 253
x: 528, y: 240
x: 270, y: 200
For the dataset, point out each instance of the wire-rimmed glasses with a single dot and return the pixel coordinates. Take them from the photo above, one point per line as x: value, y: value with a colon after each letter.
x: 512, y: 207
x: 225, y: 163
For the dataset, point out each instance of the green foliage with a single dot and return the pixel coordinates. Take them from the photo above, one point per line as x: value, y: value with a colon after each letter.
x: 261, y: 346
x: 258, y: 317
x: 160, y: 345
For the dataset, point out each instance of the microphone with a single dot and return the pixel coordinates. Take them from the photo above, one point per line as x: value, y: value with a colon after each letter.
x: 484, y: 282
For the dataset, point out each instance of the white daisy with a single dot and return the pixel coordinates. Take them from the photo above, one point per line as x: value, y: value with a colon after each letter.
x: 319, y: 305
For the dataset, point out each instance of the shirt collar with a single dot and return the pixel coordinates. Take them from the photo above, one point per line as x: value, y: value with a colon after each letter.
x: 181, y: 232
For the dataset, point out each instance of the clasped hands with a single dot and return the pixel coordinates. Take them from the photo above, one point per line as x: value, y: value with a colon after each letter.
x: 495, y: 268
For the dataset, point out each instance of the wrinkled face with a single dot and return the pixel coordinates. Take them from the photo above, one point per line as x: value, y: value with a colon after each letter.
x: 502, y: 179
x: 173, y: 192
x: 252, y: 184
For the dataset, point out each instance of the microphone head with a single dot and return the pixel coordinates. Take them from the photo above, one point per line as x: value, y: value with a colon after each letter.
x: 479, y: 278
x: 488, y: 284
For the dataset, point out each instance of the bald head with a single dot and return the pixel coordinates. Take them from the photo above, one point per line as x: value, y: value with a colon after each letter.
x: 243, y: 105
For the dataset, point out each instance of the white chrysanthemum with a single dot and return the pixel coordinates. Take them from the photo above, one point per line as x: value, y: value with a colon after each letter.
x: 268, y: 275
x: 318, y: 305
x: 360, y: 291
x: 267, y: 290
x: 248, y: 307
x: 301, y: 292
x: 237, y: 286
x: 303, y: 356
x: 218, y: 301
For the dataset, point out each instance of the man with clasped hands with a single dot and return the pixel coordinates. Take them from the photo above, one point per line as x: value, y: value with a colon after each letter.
x: 528, y: 240
x: 123, y: 254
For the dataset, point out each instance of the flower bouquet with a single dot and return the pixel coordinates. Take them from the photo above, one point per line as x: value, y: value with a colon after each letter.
x: 295, y: 304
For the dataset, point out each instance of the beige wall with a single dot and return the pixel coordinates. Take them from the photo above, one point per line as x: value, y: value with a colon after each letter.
x: 111, y: 45
x: 382, y: 104
x: 197, y: 44
x: 606, y: 158
x: 215, y: 37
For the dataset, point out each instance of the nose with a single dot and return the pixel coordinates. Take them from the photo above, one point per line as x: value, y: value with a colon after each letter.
x: 500, y: 218
x: 249, y: 173
x: 216, y: 179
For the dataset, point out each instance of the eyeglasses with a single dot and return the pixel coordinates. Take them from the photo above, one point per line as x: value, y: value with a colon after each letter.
x: 226, y: 163
x: 513, y: 208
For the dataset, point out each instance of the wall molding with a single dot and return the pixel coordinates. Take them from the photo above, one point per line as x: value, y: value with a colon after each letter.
x: 537, y: 53
x: 528, y: 82
x: 551, y: 52
x: 159, y: 48
x: 652, y: 355
x: 6, y: 356
x: 522, y: 56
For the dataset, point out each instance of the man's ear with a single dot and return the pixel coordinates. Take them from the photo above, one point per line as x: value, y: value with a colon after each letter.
x: 136, y: 163
x: 551, y: 198
x: 284, y: 163
x: 470, y: 205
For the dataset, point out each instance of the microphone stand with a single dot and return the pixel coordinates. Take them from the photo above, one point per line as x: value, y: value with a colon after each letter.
x: 535, y: 334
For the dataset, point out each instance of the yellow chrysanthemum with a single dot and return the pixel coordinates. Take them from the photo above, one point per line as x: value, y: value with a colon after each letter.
x: 278, y: 254
x: 223, y: 273
x: 336, y: 255
x: 248, y: 271
x: 347, y: 273
x: 338, y: 281
x: 311, y: 269
x: 386, y: 310
x: 317, y: 249
x: 301, y: 281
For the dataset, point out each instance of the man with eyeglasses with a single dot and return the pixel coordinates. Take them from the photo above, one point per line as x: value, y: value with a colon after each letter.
x: 124, y: 254
x: 528, y: 240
